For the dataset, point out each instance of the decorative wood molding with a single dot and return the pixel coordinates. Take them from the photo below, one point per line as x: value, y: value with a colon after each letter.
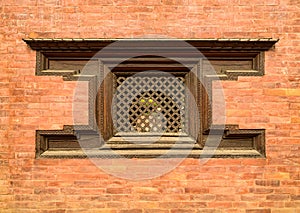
x: 230, y: 58
x: 248, y: 51
x: 236, y: 143
x: 75, y: 44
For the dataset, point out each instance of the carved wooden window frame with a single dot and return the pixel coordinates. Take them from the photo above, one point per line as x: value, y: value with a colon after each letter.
x: 235, y: 142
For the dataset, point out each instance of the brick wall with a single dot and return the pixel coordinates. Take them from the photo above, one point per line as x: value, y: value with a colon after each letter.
x: 29, y: 103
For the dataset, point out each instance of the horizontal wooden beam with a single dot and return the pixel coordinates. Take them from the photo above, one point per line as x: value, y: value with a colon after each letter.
x: 146, y: 44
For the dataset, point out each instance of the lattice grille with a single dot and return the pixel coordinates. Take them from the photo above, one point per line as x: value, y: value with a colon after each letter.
x: 149, y: 104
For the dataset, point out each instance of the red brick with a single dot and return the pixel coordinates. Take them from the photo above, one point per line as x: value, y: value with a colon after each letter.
x: 118, y: 190
x: 293, y: 92
x: 196, y: 190
x: 131, y: 211
x: 156, y: 211
x: 252, y: 175
x: 208, y: 211
x: 295, y: 106
x: 272, y: 204
x: 267, y: 182
x: 295, y: 119
x: 261, y: 190
x: 220, y: 204
x: 275, y: 92
x: 295, y: 197
x: 277, y: 175
x: 182, y: 210
x: 29, y: 102
x: 149, y: 197
x: 258, y: 210
x: 252, y: 197
x: 144, y: 190
x: 116, y: 204
x: 278, y: 197
x: 176, y: 190
x: 283, y: 210
x: 203, y: 197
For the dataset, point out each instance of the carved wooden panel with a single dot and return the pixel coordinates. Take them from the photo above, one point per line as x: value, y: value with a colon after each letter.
x: 151, y: 110
x: 229, y: 58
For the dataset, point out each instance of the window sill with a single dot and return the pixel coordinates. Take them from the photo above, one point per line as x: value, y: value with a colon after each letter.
x: 151, y: 153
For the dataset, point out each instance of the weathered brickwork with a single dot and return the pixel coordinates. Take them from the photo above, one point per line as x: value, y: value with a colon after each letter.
x: 29, y: 102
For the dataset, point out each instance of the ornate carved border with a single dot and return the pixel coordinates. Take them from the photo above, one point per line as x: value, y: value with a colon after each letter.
x: 231, y: 132
x: 250, y: 49
x: 83, y: 44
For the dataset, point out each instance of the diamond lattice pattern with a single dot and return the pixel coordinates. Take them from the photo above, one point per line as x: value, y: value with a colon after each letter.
x: 149, y: 104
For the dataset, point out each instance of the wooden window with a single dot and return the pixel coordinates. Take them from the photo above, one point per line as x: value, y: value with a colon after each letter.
x: 229, y: 58
x: 160, y: 109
